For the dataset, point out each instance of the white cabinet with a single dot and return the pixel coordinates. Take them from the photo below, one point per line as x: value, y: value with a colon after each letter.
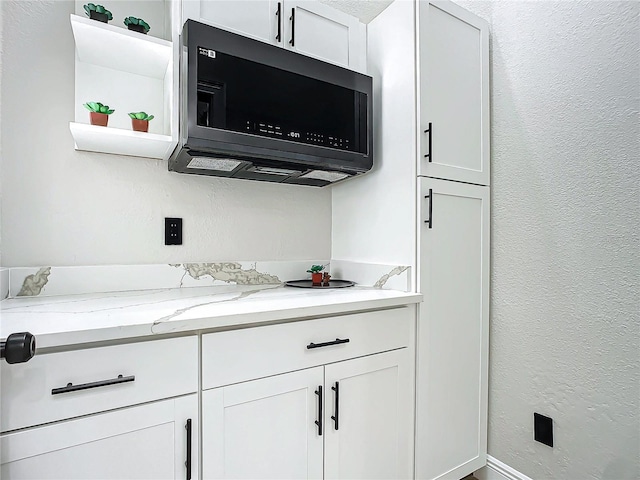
x: 453, y: 330
x: 319, y: 31
x: 359, y: 406
x: 73, y: 414
x: 368, y: 424
x: 337, y: 417
x: 453, y: 71
x: 151, y: 441
x: 303, y: 26
x: 269, y: 421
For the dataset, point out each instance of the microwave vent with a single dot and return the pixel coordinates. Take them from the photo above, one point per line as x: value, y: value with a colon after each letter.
x: 218, y: 164
x: 327, y: 176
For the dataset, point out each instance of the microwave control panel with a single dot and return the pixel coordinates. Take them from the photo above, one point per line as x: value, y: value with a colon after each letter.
x: 266, y: 129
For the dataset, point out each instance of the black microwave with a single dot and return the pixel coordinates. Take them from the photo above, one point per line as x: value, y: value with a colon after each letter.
x: 257, y: 111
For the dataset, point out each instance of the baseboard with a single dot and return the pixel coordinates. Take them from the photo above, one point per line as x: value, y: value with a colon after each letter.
x: 496, y: 470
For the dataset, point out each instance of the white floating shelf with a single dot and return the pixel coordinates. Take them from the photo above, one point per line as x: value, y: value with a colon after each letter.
x: 121, y: 142
x: 119, y: 48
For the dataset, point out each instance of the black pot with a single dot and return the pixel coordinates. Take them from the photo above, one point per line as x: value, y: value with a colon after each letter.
x: 136, y: 28
x: 101, y: 17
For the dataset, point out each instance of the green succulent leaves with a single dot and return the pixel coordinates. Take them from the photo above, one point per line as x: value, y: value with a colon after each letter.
x: 140, y: 116
x: 92, y: 7
x: 137, y: 21
x: 315, y: 269
x: 97, y: 107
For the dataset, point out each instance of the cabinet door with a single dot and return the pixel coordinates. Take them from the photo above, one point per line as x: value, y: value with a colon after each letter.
x: 454, y: 93
x: 145, y: 442
x: 451, y: 439
x: 256, y: 19
x: 319, y: 31
x: 263, y: 428
x: 371, y: 437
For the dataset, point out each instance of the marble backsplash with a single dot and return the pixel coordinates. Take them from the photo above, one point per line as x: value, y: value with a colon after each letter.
x: 44, y: 281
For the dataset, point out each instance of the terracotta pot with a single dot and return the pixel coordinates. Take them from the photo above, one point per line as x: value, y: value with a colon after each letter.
x: 100, y: 119
x: 316, y: 279
x: 136, y: 28
x: 140, y: 125
x: 101, y: 17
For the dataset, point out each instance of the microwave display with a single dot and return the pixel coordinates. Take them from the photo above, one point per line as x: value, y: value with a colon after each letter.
x: 244, y: 96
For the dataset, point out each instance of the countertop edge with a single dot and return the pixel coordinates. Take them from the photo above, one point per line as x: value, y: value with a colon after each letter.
x: 58, y: 341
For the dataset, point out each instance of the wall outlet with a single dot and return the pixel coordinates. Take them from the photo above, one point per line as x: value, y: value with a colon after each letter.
x: 543, y: 429
x: 173, y: 231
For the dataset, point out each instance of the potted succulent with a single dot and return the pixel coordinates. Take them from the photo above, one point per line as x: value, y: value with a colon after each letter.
x: 140, y: 121
x: 137, y: 25
x: 98, y: 12
x: 316, y: 275
x: 98, y: 113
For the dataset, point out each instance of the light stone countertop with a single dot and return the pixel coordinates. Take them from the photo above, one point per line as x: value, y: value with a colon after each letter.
x: 66, y: 320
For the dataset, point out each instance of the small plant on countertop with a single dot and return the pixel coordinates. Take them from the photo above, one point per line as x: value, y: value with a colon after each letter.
x: 98, y: 113
x: 140, y: 121
x: 137, y: 24
x: 316, y: 276
x: 98, y: 12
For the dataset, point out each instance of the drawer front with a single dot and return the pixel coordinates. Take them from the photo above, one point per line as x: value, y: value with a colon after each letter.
x: 160, y: 369
x: 240, y: 355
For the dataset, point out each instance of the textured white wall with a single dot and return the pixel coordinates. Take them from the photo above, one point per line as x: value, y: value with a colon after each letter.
x: 565, y: 326
x: 62, y: 207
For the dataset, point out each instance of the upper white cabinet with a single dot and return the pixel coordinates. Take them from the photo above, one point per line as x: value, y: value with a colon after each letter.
x: 319, y: 31
x: 453, y: 72
x: 306, y: 27
x: 257, y: 19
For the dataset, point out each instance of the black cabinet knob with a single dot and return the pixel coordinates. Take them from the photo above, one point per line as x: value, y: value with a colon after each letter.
x: 19, y: 347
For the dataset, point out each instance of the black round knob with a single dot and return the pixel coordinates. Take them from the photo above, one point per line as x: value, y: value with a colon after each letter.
x: 19, y: 347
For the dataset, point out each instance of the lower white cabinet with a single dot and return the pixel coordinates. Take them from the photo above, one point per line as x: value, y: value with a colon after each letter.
x: 321, y: 398
x: 332, y: 399
x: 276, y: 427
x: 111, y: 412
x: 156, y: 441
x: 368, y: 417
x: 263, y: 428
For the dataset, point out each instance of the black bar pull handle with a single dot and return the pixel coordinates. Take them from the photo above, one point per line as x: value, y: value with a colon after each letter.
x: 86, y: 386
x: 293, y: 27
x: 337, y: 341
x: 187, y: 464
x: 336, y: 388
x: 430, y: 132
x: 318, y: 422
x: 278, y: 12
x: 430, y: 197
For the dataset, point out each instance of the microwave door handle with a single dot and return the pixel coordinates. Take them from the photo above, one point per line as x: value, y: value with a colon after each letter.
x: 278, y: 13
x: 293, y: 27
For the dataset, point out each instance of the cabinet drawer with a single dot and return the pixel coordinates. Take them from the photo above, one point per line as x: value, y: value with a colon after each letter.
x: 150, y: 371
x: 240, y: 355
